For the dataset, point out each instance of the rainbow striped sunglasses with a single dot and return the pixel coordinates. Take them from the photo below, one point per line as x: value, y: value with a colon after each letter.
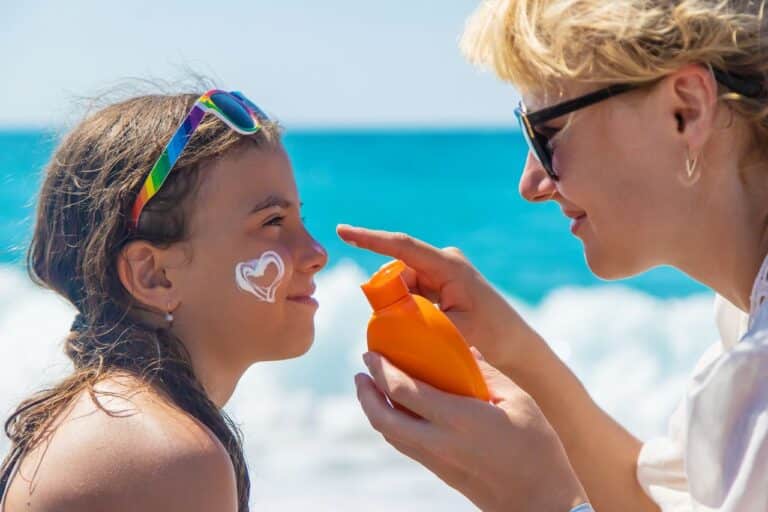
x: 237, y: 111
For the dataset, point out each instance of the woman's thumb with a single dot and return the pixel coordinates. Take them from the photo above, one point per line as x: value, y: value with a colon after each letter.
x: 499, y: 385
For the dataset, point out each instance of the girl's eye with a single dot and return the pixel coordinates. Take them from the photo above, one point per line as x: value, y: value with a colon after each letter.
x: 275, y: 221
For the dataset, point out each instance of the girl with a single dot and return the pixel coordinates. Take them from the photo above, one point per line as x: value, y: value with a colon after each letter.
x: 178, y: 237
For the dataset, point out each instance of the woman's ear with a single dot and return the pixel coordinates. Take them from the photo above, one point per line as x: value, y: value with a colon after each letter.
x: 692, y: 96
x: 142, y: 270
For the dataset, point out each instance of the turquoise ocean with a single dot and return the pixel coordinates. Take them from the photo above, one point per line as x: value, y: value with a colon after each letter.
x: 632, y: 342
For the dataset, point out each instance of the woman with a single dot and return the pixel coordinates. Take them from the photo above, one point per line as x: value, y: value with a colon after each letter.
x: 648, y: 124
x: 178, y: 238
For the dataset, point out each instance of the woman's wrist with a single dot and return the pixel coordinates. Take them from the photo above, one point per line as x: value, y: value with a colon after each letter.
x: 561, y: 503
x: 558, y: 488
x: 513, y: 341
x: 523, y: 351
x: 577, y: 501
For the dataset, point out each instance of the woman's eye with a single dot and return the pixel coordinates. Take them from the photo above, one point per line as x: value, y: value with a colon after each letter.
x: 549, y: 134
x: 547, y: 131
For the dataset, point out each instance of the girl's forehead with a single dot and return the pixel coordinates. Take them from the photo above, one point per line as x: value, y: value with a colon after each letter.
x: 232, y: 186
x: 235, y: 187
x: 252, y: 170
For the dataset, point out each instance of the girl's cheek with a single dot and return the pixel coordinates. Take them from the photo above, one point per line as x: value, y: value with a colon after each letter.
x: 261, y: 276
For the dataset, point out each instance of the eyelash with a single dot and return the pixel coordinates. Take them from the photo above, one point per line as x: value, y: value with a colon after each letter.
x: 275, y: 221
x: 278, y: 221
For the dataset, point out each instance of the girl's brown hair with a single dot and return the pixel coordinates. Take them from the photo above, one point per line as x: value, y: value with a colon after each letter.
x: 82, y: 225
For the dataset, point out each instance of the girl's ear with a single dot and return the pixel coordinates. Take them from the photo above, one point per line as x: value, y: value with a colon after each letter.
x: 142, y: 270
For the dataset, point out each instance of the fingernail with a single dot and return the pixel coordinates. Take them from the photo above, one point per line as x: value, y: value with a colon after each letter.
x: 367, y: 359
x: 477, y: 353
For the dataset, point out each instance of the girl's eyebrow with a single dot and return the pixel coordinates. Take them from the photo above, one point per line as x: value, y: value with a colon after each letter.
x: 271, y: 202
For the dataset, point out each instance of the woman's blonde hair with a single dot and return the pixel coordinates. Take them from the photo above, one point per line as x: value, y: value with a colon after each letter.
x: 538, y: 44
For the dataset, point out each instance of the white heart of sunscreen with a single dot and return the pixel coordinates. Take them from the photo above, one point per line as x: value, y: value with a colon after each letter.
x: 247, y: 272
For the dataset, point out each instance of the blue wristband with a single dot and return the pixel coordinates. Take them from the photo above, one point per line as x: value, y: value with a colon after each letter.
x: 584, y: 507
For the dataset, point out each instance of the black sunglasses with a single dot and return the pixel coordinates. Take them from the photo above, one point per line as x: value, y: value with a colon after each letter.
x: 538, y: 142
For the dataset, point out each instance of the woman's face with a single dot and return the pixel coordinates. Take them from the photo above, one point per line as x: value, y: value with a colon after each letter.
x: 246, y: 285
x: 620, y: 164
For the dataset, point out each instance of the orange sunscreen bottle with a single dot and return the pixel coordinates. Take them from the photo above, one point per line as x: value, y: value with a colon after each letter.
x: 418, y: 338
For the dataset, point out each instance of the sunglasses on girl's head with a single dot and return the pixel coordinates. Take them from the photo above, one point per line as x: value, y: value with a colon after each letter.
x: 237, y: 111
x: 538, y: 142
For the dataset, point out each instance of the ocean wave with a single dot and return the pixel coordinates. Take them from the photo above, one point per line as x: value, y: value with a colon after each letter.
x: 308, y: 443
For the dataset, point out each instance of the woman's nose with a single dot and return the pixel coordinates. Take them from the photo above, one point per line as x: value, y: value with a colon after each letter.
x: 535, y: 184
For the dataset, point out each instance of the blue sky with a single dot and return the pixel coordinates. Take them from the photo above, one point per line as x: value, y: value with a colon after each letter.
x: 309, y: 63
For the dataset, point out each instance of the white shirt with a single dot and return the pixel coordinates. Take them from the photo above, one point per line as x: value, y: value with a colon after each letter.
x: 715, y: 453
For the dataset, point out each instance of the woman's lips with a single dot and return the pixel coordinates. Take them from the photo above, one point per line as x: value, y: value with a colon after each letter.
x: 577, y: 219
x: 577, y: 222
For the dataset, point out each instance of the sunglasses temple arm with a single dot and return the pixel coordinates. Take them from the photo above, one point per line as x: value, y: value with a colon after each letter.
x: 181, y: 138
x: 165, y: 163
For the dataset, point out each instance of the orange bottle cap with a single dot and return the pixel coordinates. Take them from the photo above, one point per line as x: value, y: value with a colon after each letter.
x: 387, y: 286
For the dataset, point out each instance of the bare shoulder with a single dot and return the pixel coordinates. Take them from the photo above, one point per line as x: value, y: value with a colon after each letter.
x: 127, y: 450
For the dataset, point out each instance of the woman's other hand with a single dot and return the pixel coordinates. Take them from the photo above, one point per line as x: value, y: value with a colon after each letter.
x: 502, y: 455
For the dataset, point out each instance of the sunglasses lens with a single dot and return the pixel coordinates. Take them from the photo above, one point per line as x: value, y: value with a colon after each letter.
x: 235, y: 112
x: 526, y: 135
x: 537, y: 144
x: 260, y: 113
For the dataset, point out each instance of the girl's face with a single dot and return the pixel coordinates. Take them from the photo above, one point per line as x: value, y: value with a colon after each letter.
x: 247, y: 281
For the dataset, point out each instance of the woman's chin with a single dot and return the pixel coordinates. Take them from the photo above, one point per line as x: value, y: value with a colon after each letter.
x: 609, y: 267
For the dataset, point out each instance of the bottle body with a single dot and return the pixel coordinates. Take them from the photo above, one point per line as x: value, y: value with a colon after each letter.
x: 421, y: 340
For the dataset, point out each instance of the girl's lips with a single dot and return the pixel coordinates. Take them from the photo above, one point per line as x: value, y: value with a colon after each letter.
x: 305, y: 300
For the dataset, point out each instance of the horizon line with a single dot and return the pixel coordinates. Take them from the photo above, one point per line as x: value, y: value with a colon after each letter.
x: 6, y: 129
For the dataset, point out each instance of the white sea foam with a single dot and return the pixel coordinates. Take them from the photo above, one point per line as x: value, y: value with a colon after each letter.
x: 309, y: 445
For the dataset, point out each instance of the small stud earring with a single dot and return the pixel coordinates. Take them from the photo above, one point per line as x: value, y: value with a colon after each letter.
x: 169, y: 316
